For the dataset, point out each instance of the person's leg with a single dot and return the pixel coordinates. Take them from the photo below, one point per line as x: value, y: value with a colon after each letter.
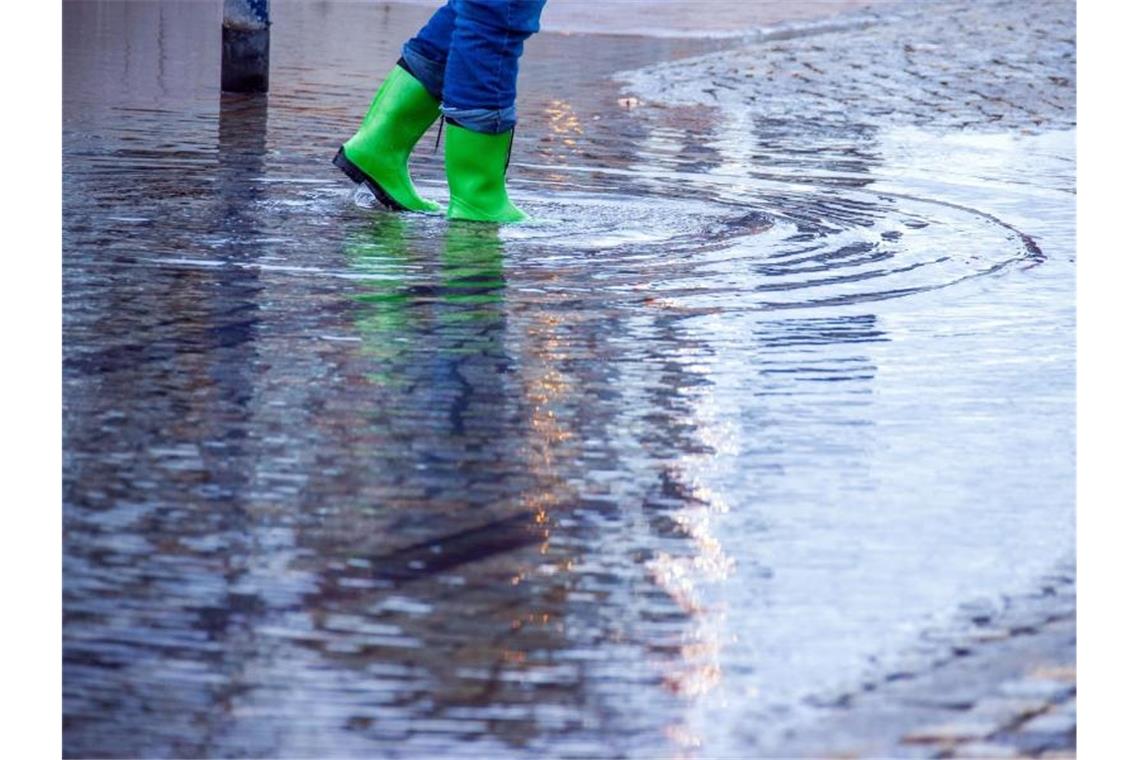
x: 406, y: 104
x: 425, y: 55
x: 481, y: 77
x: 479, y: 92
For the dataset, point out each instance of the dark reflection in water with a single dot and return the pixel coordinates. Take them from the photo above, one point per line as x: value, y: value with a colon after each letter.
x: 627, y: 481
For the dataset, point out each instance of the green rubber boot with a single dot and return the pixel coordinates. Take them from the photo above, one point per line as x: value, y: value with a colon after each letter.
x: 476, y: 165
x: 377, y: 154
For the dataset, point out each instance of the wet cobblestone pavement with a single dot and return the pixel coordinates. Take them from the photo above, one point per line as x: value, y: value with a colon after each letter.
x: 1000, y: 681
x: 759, y: 442
x: 988, y: 66
x: 991, y: 684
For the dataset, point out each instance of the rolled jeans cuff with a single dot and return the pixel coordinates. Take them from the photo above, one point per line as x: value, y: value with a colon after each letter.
x: 428, y: 72
x: 490, y: 121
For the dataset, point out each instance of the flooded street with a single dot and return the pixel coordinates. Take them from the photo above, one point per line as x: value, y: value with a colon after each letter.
x: 762, y: 396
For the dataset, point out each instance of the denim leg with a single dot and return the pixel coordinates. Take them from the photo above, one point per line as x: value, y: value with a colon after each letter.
x: 425, y: 55
x: 481, y: 75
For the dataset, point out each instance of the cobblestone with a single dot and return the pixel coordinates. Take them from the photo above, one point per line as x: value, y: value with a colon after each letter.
x: 1009, y: 698
x: 1007, y: 711
x: 982, y: 750
x: 1043, y: 688
x: 1057, y: 722
x: 990, y: 65
x: 999, y: 680
x: 957, y: 731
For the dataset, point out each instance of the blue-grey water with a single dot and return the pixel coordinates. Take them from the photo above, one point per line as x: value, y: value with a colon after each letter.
x: 745, y: 410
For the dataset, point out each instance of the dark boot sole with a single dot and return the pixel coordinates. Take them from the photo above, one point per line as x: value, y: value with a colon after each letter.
x: 357, y: 175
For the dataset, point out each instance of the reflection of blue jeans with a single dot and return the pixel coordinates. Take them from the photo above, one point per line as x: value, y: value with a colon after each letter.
x: 467, y: 55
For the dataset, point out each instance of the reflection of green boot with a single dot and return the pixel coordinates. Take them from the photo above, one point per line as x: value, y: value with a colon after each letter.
x: 377, y: 154
x: 476, y: 166
x: 472, y: 266
x: 473, y: 288
x: 379, y: 256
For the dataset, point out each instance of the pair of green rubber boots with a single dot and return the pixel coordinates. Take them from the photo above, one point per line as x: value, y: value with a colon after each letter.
x: 475, y: 163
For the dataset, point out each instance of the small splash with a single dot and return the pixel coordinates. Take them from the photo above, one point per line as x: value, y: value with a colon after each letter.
x: 363, y: 198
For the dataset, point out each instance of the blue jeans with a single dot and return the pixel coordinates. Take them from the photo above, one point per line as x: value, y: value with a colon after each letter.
x: 467, y: 56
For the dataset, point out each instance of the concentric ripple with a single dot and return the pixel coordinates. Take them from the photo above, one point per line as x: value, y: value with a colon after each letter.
x: 782, y: 250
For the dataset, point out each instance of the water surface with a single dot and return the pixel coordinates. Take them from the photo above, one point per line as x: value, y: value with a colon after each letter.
x: 746, y: 409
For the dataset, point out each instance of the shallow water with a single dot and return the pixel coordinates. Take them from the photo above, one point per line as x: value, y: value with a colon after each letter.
x: 745, y: 410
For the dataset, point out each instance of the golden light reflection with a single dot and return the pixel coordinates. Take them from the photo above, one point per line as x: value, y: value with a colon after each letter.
x: 513, y: 656
x: 565, y: 128
x: 695, y: 671
x: 562, y: 118
x: 545, y: 389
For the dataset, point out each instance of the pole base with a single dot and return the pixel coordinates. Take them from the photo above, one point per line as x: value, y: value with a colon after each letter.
x: 245, y: 59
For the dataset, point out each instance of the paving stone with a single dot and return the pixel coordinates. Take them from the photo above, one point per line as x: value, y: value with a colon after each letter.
x: 961, y: 730
x: 946, y: 67
x: 1007, y: 710
x: 982, y: 750
x: 991, y: 634
x: 1069, y: 707
x: 907, y: 666
x: 910, y: 752
x: 1049, y: 689
x: 957, y: 699
x: 1059, y: 672
x: 1050, y: 723
x: 953, y: 65
x: 980, y: 611
x: 1037, y: 742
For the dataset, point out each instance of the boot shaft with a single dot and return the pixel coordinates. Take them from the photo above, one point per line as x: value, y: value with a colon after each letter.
x: 401, y: 112
x: 476, y: 165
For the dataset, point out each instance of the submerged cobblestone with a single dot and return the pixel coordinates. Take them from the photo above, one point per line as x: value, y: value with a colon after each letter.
x: 711, y: 457
x: 999, y: 681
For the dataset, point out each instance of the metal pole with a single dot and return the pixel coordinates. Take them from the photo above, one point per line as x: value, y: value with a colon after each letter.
x: 245, y: 46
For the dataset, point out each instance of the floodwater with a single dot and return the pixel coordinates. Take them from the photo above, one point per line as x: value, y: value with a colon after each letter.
x: 746, y: 410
